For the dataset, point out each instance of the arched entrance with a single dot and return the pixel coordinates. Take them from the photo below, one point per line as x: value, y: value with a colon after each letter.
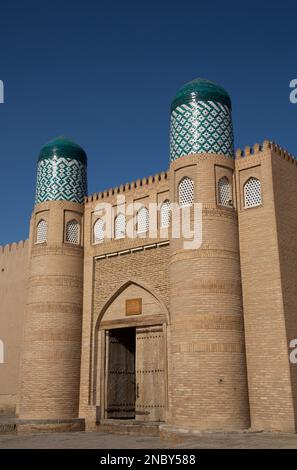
x: 133, y: 365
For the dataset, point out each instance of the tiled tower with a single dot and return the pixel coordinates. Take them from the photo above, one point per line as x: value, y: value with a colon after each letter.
x: 61, y: 172
x: 201, y: 120
x: 49, y: 386
x: 207, y: 366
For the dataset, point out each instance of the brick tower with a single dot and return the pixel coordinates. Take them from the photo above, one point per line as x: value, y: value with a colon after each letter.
x: 50, y: 368
x: 207, y: 365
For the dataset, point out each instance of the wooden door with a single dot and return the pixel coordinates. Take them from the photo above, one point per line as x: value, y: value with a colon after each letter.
x: 150, y: 374
x: 120, y: 368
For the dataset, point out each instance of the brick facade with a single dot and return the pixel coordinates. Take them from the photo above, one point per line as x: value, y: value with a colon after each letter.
x: 226, y: 309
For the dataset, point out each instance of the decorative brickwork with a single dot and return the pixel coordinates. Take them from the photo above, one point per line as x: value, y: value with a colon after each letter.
x: 202, y: 333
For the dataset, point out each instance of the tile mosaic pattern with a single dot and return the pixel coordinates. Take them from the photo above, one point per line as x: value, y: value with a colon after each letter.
x: 61, y: 179
x: 201, y: 127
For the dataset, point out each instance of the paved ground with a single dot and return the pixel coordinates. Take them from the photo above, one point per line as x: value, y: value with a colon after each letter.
x: 87, y: 440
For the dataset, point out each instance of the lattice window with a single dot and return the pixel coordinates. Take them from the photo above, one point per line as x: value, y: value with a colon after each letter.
x: 165, y: 214
x: 72, y: 232
x: 225, y: 192
x: 99, y: 231
x: 252, y: 193
x: 120, y: 226
x: 41, y: 233
x: 1, y: 352
x: 142, y: 220
x: 186, y: 192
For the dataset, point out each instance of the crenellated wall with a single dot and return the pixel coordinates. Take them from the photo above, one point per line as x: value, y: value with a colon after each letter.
x: 114, y: 262
x: 268, y: 257
x: 202, y: 290
x: 13, y: 282
x: 138, y: 184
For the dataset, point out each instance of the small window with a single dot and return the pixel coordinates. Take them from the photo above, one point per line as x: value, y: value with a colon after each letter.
x: 98, y: 231
x: 252, y: 193
x: 120, y: 226
x: 72, y: 232
x: 165, y: 214
x: 143, y: 220
x: 186, y: 192
x: 1, y: 352
x: 225, y: 192
x: 41, y: 234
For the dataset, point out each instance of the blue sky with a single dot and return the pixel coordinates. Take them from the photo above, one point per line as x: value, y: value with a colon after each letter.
x: 104, y: 73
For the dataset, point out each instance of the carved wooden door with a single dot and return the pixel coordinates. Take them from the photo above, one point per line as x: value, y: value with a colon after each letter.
x: 150, y: 374
x: 120, y: 367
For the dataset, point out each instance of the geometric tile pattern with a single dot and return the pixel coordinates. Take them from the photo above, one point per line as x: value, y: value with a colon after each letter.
x: 225, y: 192
x: 252, y: 193
x: 201, y: 127
x: 61, y: 179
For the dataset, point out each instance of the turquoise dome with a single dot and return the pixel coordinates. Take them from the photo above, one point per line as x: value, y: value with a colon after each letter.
x: 61, y: 172
x: 201, y: 120
x: 201, y: 89
x: 62, y: 147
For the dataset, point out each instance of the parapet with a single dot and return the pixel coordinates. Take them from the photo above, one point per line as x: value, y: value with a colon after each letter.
x: 14, y: 247
x: 123, y: 188
x: 266, y: 145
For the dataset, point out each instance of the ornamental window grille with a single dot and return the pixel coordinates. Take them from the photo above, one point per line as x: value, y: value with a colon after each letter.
x: 41, y: 234
x: 142, y: 220
x: 120, y: 226
x: 99, y: 231
x: 186, y: 192
x: 165, y: 214
x: 252, y: 193
x: 72, y: 232
x: 225, y: 192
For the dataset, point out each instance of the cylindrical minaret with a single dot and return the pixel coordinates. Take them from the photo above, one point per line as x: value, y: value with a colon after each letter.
x: 207, y: 367
x: 50, y: 368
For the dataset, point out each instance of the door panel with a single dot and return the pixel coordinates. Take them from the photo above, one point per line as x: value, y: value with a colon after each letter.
x: 150, y: 374
x: 120, y: 369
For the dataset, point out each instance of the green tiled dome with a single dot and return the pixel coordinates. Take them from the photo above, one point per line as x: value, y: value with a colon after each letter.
x: 62, y: 147
x: 201, y: 89
x: 201, y: 120
x: 61, y: 172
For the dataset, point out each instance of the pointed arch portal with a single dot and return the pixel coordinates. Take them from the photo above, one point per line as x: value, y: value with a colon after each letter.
x: 133, y: 360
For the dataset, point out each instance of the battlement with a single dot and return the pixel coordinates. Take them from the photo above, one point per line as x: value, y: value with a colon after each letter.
x: 258, y: 148
x: 14, y: 247
x: 150, y: 180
